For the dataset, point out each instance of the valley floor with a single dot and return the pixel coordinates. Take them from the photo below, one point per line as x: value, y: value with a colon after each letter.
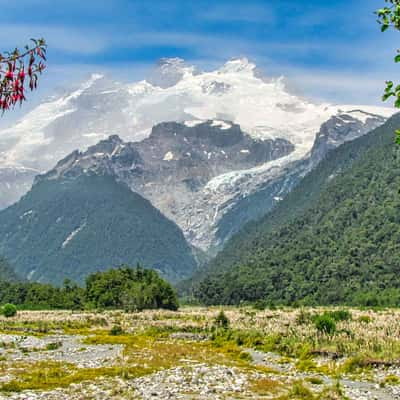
x: 268, y: 354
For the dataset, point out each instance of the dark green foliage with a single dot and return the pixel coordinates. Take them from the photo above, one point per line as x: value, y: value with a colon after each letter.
x: 9, y: 310
x: 116, y: 330
x: 340, y: 245
x: 130, y: 289
x: 72, y: 227
x: 53, y: 346
x: 222, y: 321
x: 340, y: 315
x: 325, y: 324
x: 6, y: 271
x: 32, y: 295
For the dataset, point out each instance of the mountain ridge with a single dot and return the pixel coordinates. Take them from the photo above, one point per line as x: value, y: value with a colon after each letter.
x: 73, y: 226
x: 316, y: 246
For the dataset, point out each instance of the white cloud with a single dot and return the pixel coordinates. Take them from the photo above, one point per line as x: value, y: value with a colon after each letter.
x: 252, y: 13
x: 70, y: 40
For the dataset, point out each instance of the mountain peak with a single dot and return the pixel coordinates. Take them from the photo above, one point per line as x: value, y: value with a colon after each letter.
x: 236, y: 65
x: 169, y: 71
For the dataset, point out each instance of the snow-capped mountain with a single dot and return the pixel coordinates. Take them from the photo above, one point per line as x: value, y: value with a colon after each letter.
x: 231, y: 100
x: 209, y: 177
x: 173, y: 166
x: 101, y: 107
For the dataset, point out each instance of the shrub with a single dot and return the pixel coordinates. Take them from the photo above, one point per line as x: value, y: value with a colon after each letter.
x: 221, y: 320
x: 340, y: 315
x: 9, y: 310
x: 53, y: 346
x: 325, y: 324
x: 391, y: 380
x: 365, y: 319
x: 315, y: 380
x: 303, y: 317
x: 116, y: 330
x: 306, y: 366
x: 299, y: 391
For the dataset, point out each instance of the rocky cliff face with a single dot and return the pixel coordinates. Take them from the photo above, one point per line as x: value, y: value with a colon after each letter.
x: 173, y: 166
x: 342, y: 128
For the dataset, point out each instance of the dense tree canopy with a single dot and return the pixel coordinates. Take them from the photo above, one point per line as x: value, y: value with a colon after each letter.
x: 131, y: 289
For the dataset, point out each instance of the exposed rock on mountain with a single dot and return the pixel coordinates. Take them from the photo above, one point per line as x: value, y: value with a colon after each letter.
x: 173, y: 165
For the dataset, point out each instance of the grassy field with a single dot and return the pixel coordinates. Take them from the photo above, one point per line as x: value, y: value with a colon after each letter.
x: 197, y: 353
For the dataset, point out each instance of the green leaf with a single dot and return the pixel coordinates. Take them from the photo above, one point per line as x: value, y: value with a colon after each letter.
x: 389, y: 85
x: 397, y: 132
x: 386, y: 96
x: 397, y: 58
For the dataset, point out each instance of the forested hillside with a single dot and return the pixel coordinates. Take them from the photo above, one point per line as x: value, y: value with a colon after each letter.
x: 6, y: 271
x: 71, y: 227
x: 334, y: 239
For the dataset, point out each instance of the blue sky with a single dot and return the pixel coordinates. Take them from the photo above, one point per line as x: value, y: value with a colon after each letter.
x: 330, y: 50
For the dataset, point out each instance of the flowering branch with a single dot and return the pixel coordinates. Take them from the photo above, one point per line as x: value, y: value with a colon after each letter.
x: 19, y: 70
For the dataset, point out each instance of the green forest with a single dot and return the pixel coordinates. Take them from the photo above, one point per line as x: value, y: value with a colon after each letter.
x: 131, y: 289
x: 72, y: 227
x: 340, y: 245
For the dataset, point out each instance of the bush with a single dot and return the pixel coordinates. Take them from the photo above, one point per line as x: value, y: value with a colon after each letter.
x: 222, y: 321
x: 53, y: 346
x: 303, y: 317
x: 365, y: 319
x: 325, y: 324
x: 340, y: 315
x: 9, y: 310
x: 116, y: 330
x: 130, y: 289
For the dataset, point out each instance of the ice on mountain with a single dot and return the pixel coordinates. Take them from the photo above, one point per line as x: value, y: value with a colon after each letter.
x: 221, y: 124
x: 72, y: 235
x: 191, y: 124
x: 168, y: 156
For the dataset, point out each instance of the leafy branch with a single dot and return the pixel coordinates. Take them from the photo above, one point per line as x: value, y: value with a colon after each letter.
x: 20, y: 70
x: 389, y: 17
